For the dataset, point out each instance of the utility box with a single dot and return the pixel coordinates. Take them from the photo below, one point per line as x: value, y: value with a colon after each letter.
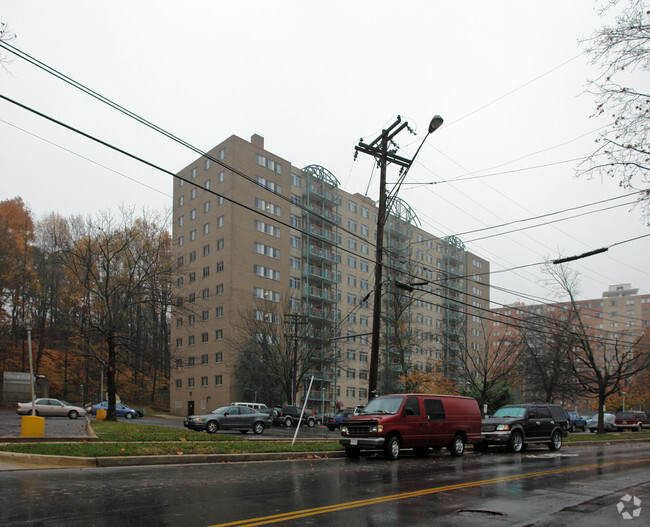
x: 32, y: 426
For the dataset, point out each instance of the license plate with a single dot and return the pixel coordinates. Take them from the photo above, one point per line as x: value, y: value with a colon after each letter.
x: 353, y: 442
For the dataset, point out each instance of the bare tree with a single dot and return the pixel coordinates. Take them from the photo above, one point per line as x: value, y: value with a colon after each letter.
x: 546, y: 356
x: 277, y: 344
x: 488, y: 372
x: 115, y: 261
x: 619, y: 50
x: 5, y: 36
x: 601, y: 365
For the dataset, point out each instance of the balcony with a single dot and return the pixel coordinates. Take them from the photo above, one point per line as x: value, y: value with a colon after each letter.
x: 323, y: 274
x: 324, y: 213
x: 319, y: 254
x: 330, y: 236
x: 325, y: 193
x: 323, y: 294
x: 323, y: 315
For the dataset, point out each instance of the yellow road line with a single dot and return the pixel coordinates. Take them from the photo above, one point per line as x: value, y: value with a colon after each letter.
x: 265, y: 520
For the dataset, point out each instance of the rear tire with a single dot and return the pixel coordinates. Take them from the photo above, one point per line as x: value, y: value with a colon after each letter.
x: 73, y: 414
x: 129, y: 415
x: 457, y: 447
x: 556, y: 441
x: 391, y: 448
x: 258, y: 428
x: 310, y: 423
x: 287, y: 421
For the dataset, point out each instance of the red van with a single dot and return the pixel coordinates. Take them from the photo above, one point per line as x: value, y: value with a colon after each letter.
x: 417, y: 421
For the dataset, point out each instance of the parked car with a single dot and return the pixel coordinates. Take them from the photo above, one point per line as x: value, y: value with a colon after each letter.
x: 241, y: 418
x: 608, y: 423
x: 517, y: 425
x: 633, y: 420
x: 121, y: 410
x: 577, y: 421
x: 417, y: 421
x: 335, y: 421
x: 289, y: 414
x: 51, y: 408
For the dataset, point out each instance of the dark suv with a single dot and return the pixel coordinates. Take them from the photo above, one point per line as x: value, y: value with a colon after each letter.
x: 289, y: 415
x: 517, y: 425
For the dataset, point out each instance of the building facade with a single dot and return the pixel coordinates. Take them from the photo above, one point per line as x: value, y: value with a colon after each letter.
x: 250, y: 227
x: 619, y: 320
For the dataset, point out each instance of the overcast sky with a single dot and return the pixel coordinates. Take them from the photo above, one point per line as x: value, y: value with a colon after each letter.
x: 313, y: 78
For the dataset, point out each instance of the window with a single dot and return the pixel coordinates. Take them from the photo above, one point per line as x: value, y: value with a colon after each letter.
x: 267, y: 229
x: 364, y: 230
x: 204, y: 359
x: 352, y: 225
x: 352, y: 355
x: 352, y: 262
x: 266, y: 250
x: 179, y: 343
x: 218, y: 335
x: 193, y: 193
x: 206, y: 250
x: 179, y: 322
x: 219, y: 289
x: 206, y: 271
x: 295, y: 262
x: 352, y: 280
x: 266, y: 183
x: 350, y: 392
x: 295, y: 221
x: 181, y: 241
x: 206, y: 228
x: 192, y: 277
x: 434, y: 409
x: 190, y: 342
x: 294, y: 283
x: 266, y: 206
x: 181, y: 221
x: 205, y: 293
x: 218, y: 380
x: 266, y: 294
x: 296, y: 200
x: 179, y: 281
x: 352, y: 206
x: 296, y: 180
x: 220, y: 266
x: 364, y: 248
x: 206, y: 206
x: 296, y: 242
x: 205, y: 315
x: 179, y: 384
x: 193, y: 235
x: 266, y: 272
x: 192, y: 256
x: 219, y: 312
x: 204, y: 382
x: 181, y: 201
x: 364, y: 212
x: 363, y: 265
x: 220, y: 244
x: 352, y: 243
x: 363, y: 357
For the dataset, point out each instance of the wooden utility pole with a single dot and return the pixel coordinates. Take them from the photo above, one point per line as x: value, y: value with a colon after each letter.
x: 379, y: 150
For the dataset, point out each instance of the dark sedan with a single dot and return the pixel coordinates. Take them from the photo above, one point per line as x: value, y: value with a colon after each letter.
x: 239, y: 418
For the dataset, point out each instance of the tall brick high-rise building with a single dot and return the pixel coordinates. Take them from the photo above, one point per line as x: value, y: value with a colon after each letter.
x: 258, y: 228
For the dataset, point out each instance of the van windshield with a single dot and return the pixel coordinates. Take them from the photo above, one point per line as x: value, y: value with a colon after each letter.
x: 510, y: 411
x: 389, y: 404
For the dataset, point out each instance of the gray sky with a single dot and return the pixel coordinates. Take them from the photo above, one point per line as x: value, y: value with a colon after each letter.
x: 509, y: 78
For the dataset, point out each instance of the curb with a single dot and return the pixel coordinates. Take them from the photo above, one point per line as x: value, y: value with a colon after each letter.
x: 39, y: 462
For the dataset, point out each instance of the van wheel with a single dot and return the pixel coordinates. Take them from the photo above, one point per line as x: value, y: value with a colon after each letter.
x: 391, y: 447
x: 457, y: 447
x: 556, y: 441
x: 421, y: 451
x: 516, y: 442
x: 352, y: 451
x: 287, y: 421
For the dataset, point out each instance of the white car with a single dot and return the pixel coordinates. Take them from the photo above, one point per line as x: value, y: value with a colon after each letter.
x: 51, y: 408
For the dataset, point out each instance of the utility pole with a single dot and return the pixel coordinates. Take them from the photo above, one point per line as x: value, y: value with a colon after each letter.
x: 379, y: 149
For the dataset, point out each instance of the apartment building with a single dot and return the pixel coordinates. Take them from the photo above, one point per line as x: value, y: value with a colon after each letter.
x: 249, y: 227
x: 619, y: 317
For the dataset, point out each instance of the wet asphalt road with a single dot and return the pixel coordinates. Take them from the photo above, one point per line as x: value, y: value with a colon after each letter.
x: 578, y: 486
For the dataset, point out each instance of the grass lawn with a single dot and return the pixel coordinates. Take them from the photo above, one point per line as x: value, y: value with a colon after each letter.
x: 130, y: 439
x: 609, y: 436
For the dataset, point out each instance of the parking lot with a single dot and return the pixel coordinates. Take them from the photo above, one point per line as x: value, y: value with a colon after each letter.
x: 10, y: 424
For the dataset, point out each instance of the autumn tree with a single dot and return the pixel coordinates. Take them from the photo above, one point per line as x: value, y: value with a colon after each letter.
x: 621, y: 52
x: 116, y: 261
x: 601, y: 365
x: 433, y: 381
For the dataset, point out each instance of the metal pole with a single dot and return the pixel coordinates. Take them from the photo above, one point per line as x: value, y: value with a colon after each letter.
x: 302, y: 411
x: 31, y: 365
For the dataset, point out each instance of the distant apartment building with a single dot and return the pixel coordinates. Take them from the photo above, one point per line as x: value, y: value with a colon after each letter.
x: 250, y: 226
x: 620, y: 317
